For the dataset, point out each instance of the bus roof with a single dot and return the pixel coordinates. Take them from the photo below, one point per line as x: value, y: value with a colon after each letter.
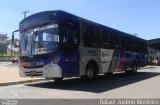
x: 47, y: 16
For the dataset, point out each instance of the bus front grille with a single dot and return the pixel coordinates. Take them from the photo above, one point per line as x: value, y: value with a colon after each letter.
x: 34, y: 73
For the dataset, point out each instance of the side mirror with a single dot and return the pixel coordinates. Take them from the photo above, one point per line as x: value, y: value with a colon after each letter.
x: 13, y: 38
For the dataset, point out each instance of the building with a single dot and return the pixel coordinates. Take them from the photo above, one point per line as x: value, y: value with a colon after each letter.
x: 3, y: 43
x: 11, y: 49
x: 154, y: 51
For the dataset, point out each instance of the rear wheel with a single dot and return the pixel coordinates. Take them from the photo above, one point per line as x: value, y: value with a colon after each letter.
x: 134, y: 68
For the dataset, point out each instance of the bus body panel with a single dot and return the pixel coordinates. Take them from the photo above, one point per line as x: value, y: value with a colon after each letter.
x: 109, y: 60
x: 86, y: 55
x: 70, y: 63
x: 67, y: 66
x: 106, y: 58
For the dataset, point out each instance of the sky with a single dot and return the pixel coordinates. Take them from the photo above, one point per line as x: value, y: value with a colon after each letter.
x: 131, y: 16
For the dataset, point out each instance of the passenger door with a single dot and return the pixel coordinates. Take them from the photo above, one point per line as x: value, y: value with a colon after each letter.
x: 70, y: 33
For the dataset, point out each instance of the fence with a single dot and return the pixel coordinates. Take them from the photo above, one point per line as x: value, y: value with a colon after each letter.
x: 5, y: 59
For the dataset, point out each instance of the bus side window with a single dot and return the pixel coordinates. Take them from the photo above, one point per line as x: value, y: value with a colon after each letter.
x: 70, y: 34
x: 89, y: 35
x: 113, y: 44
x: 105, y: 39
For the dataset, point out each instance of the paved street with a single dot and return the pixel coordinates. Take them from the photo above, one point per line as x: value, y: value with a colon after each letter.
x: 143, y: 85
x: 9, y: 75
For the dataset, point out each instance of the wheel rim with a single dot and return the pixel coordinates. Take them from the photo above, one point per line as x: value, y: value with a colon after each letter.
x: 90, y: 73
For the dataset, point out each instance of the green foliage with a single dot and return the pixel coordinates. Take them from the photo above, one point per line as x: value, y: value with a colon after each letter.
x: 8, y: 55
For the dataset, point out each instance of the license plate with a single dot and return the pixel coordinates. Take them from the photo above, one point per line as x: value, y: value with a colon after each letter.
x: 33, y: 72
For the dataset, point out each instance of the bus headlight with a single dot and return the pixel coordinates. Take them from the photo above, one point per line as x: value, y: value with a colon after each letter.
x: 56, y: 60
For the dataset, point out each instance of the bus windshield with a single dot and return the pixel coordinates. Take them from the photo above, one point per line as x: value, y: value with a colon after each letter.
x: 40, y: 40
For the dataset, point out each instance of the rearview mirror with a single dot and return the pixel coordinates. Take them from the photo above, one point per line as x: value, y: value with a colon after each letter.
x: 15, y: 38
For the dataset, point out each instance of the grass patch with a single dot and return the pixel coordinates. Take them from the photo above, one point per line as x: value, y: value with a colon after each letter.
x: 9, y: 55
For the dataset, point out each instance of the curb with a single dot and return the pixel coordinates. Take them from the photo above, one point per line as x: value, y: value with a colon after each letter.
x: 20, y: 82
x: 149, y: 67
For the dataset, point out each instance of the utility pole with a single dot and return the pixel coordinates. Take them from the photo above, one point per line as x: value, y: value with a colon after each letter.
x: 25, y: 13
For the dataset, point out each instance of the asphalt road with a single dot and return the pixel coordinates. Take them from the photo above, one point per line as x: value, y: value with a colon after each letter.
x: 143, y: 85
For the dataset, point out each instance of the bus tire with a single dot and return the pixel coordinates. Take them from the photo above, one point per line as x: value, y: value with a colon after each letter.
x: 91, y: 71
x: 134, y: 67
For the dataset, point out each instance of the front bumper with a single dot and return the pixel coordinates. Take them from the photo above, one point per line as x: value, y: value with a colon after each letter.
x: 48, y: 71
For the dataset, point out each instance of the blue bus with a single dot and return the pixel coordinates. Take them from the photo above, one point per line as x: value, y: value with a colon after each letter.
x: 56, y: 44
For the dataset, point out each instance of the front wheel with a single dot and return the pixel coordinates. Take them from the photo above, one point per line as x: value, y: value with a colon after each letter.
x: 91, y: 72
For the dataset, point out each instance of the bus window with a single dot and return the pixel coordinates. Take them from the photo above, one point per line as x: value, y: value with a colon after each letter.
x: 105, y: 39
x: 89, y: 35
x: 70, y: 34
x: 113, y: 44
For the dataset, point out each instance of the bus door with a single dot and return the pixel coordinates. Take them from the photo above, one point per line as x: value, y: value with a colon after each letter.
x: 70, y: 40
